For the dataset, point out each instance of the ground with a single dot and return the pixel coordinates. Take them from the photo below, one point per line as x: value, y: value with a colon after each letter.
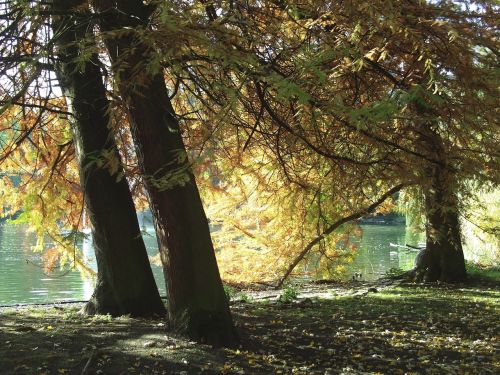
x: 323, y: 328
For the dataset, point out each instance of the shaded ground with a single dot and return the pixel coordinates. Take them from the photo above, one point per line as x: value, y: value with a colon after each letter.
x: 328, y: 329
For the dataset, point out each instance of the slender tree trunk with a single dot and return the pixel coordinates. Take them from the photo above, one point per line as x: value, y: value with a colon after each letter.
x: 356, y: 215
x: 197, y: 304
x: 125, y: 282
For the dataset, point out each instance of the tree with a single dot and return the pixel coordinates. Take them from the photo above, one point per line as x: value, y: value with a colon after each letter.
x: 403, y: 93
x: 197, y: 304
x: 275, y: 184
x: 125, y: 282
x: 437, y: 81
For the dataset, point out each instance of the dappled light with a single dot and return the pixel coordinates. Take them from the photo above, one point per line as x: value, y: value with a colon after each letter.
x: 403, y: 328
x: 271, y: 186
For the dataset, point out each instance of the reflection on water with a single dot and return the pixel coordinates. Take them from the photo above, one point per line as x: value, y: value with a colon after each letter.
x: 21, y: 275
x: 22, y: 279
x: 375, y: 256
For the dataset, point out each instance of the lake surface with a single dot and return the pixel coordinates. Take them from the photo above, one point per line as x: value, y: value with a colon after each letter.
x: 22, y: 279
x: 375, y: 255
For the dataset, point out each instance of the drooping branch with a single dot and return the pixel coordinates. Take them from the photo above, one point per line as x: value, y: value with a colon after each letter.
x: 261, y: 95
x: 333, y: 227
x: 22, y: 90
x: 37, y: 106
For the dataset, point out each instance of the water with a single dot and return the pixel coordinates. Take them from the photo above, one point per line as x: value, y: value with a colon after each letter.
x: 22, y: 279
x: 376, y: 256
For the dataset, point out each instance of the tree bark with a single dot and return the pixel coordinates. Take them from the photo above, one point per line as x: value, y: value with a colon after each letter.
x: 197, y: 304
x: 125, y: 282
x: 444, y: 256
x: 444, y: 259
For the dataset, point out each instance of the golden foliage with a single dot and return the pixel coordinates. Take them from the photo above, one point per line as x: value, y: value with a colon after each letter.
x: 295, y: 114
x: 46, y: 193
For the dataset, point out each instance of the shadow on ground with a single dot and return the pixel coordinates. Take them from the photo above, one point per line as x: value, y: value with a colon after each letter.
x: 391, y: 329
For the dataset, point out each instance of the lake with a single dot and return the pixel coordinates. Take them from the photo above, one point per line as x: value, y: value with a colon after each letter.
x: 22, y: 279
x: 375, y: 255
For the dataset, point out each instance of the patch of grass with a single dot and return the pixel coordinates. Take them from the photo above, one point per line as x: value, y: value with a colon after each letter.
x: 478, y: 271
x: 229, y: 291
x: 393, y: 272
x: 72, y: 314
x: 233, y: 295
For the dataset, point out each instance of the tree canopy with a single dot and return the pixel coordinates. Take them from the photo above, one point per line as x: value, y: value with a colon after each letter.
x: 295, y: 115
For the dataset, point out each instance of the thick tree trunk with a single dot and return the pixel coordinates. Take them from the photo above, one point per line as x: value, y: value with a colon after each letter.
x: 444, y: 259
x: 197, y: 304
x: 125, y: 282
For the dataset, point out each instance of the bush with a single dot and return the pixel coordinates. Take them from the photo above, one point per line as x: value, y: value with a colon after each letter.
x: 243, y: 297
x: 289, y: 294
x: 233, y: 296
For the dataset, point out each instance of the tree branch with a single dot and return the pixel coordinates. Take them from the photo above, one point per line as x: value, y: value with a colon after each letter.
x: 22, y: 91
x: 333, y: 227
x: 40, y: 106
x: 275, y: 117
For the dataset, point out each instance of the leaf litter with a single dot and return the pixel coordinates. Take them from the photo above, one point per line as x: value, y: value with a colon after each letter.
x: 350, y: 328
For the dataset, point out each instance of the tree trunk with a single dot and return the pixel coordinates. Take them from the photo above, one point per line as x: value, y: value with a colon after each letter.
x: 197, y: 304
x: 444, y: 254
x: 125, y: 282
x: 443, y: 259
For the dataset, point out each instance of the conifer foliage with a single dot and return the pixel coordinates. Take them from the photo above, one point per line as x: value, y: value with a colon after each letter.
x: 288, y: 118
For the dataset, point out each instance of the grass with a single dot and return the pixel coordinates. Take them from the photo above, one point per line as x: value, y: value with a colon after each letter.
x: 405, y: 328
x: 478, y: 271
